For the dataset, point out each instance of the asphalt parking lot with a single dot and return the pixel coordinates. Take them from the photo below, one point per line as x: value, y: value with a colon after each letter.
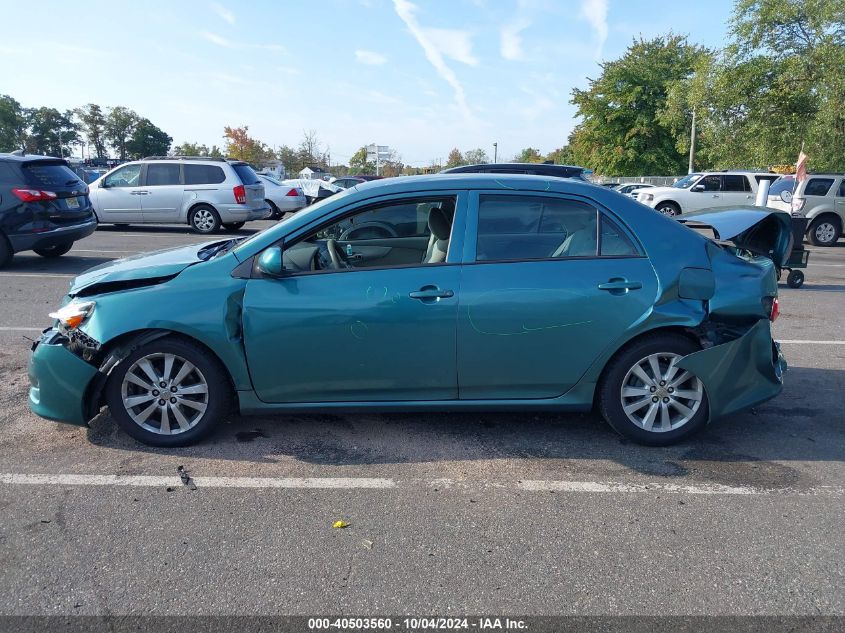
x: 448, y: 513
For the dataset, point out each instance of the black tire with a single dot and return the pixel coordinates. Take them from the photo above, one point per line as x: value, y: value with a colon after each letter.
x: 275, y: 212
x: 233, y: 226
x: 610, y: 398
x: 6, y: 252
x: 204, y: 219
x: 795, y: 279
x: 57, y: 250
x: 219, y: 393
x: 668, y: 208
x: 824, y: 231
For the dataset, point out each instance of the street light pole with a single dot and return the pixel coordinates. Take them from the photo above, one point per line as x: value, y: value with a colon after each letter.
x: 692, y: 145
x: 495, y: 152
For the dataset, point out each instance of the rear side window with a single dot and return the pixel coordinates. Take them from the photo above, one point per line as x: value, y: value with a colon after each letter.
x: 534, y: 227
x: 614, y: 242
x: 162, y: 174
x: 246, y: 174
x: 203, y: 175
x: 735, y: 183
x: 841, y: 193
x: 47, y: 174
x: 818, y: 186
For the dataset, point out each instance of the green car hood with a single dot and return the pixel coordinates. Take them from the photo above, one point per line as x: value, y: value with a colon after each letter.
x: 756, y: 229
x: 146, y: 267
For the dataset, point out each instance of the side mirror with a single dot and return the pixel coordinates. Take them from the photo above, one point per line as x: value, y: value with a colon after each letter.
x: 697, y: 188
x: 104, y: 184
x: 270, y: 262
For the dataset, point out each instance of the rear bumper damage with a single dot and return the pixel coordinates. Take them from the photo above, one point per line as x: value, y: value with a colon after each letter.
x: 740, y: 373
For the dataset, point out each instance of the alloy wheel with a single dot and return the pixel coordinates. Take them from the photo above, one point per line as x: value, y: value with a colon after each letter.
x: 658, y: 396
x: 164, y: 393
x: 203, y: 220
x: 825, y: 232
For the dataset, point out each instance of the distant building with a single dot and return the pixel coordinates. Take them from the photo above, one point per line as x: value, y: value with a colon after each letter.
x: 314, y: 173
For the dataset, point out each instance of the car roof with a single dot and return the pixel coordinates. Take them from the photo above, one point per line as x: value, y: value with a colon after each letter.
x: 559, y: 171
x: 28, y: 158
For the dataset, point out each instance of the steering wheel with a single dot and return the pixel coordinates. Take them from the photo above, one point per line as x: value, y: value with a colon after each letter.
x: 335, y: 254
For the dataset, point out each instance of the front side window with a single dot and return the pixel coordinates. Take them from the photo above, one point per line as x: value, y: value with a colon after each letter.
x: 818, y: 186
x: 710, y: 183
x: 534, y: 227
x: 129, y: 176
x: 159, y: 174
x: 404, y: 232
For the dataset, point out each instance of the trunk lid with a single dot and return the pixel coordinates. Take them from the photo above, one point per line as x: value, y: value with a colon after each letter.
x: 757, y: 230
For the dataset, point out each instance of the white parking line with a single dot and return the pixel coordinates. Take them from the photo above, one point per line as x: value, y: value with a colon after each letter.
x: 4, y: 328
x: 39, y: 275
x: 801, y: 342
x: 83, y: 250
x: 347, y: 483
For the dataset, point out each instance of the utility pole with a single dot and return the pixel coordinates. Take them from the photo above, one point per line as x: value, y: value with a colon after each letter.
x: 495, y: 152
x: 692, y: 145
x: 61, y: 149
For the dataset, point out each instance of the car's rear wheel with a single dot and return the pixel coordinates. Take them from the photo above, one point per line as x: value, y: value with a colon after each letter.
x: 824, y: 231
x: 643, y: 395
x: 57, y: 250
x: 275, y: 212
x: 668, y: 208
x: 6, y: 252
x: 204, y: 219
x: 233, y: 226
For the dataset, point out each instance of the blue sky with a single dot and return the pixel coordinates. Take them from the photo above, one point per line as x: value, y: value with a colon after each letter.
x: 421, y: 76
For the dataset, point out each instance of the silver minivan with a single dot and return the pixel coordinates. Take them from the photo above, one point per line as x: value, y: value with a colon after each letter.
x: 205, y: 193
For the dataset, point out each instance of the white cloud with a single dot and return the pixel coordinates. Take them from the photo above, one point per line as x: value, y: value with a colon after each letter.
x: 371, y: 58
x: 223, y: 12
x: 511, y: 40
x: 453, y: 43
x: 216, y: 39
x: 406, y: 12
x: 595, y: 12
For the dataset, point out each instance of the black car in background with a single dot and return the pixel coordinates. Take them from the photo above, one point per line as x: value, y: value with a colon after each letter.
x: 539, y: 169
x: 44, y: 206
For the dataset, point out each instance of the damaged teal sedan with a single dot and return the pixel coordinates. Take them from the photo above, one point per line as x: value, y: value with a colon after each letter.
x: 449, y: 292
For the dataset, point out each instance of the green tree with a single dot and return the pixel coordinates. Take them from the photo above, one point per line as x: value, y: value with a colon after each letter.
x: 51, y: 132
x: 120, y: 124
x: 528, y: 155
x: 359, y: 164
x: 622, y: 131
x: 779, y: 82
x: 148, y: 140
x: 562, y: 156
x: 93, y: 125
x: 289, y: 158
x: 476, y: 157
x: 455, y: 158
x: 12, y: 124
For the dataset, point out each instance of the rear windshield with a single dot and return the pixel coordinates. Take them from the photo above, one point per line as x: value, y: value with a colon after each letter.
x: 783, y: 184
x: 246, y: 174
x: 47, y: 174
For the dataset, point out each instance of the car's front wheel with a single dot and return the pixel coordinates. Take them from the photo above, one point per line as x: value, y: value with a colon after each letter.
x: 643, y: 395
x: 824, y: 231
x: 6, y: 252
x: 204, y: 219
x: 170, y: 392
x: 668, y: 208
x: 57, y: 250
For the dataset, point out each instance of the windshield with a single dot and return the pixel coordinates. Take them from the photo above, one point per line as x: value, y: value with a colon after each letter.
x: 687, y: 181
x: 781, y: 185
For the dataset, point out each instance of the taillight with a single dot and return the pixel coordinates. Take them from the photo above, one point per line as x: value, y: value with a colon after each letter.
x: 240, y: 194
x: 775, y: 313
x: 798, y: 203
x: 292, y: 192
x: 34, y: 195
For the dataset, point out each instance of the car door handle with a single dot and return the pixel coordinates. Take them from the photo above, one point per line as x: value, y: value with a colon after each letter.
x: 715, y: 195
x: 140, y: 193
x: 431, y: 292
x: 619, y: 285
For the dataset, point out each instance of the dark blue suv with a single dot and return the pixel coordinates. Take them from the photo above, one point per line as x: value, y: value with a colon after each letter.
x: 44, y: 206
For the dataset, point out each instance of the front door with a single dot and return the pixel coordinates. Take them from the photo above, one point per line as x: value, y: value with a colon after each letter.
x: 119, y: 196
x: 163, y: 199
x: 706, y: 193
x: 544, y: 298
x: 736, y: 191
x: 366, y: 310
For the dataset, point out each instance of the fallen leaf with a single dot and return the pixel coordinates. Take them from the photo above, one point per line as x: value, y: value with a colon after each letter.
x: 340, y: 524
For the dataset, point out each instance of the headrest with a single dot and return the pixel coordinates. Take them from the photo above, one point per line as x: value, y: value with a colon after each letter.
x: 439, y: 223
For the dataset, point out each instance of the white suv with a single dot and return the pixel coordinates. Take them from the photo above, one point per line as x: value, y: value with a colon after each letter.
x: 704, y: 191
x: 821, y: 199
x: 205, y: 193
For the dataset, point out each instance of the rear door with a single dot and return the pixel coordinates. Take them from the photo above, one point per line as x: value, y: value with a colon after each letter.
x: 163, y: 200
x: 118, y: 198
x: 541, y: 294
x: 252, y: 185
x: 840, y: 200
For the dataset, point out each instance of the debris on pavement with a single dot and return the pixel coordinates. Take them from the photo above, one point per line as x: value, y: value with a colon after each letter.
x: 186, y: 478
x: 340, y: 524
